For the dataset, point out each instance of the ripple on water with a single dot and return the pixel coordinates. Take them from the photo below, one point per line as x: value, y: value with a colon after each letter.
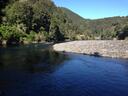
x: 46, y: 73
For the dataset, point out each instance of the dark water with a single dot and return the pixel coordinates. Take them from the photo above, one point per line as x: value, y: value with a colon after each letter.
x: 36, y: 71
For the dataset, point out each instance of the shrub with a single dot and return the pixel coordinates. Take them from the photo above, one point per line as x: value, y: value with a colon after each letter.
x: 31, y: 37
x: 8, y: 31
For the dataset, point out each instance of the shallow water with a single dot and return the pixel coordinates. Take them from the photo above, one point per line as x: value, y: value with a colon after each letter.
x: 36, y: 71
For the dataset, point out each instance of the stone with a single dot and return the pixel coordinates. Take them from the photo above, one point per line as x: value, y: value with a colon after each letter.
x: 107, y: 48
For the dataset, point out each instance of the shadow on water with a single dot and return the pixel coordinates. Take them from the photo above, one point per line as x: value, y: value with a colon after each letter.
x: 31, y: 58
x: 96, y: 54
x: 37, y: 70
x: 27, y: 59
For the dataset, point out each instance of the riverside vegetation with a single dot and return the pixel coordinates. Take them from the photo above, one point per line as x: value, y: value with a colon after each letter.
x: 26, y: 21
x: 39, y: 69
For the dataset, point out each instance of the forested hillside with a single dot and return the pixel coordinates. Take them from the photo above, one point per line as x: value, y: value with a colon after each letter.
x: 76, y: 19
x: 25, y: 21
x: 110, y: 28
x: 102, y: 29
x: 33, y: 20
x: 105, y: 29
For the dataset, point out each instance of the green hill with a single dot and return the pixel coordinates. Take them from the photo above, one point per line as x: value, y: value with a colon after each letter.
x: 42, y: 20
x: 73, y: 16
x: 105, y: 28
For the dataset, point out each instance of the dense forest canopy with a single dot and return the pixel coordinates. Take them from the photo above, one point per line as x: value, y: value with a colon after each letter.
x: 24, y: 21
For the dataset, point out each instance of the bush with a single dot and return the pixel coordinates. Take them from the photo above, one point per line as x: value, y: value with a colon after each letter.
x: 10, y: 33
x: 31, y: 37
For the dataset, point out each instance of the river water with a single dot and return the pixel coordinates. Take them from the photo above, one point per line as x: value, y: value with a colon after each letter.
x: 36, y: 70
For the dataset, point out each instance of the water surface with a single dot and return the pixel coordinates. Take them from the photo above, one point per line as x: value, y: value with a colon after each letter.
x: 35, y: 70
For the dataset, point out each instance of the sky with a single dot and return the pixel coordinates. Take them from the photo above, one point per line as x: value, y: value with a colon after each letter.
x: 95, y: 9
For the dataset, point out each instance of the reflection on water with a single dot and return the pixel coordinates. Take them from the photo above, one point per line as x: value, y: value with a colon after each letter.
x: 36, y: 70
x: 32, y: 58
x: 18, y: 63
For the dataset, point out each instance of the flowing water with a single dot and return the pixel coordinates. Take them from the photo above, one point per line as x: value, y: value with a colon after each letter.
x: 36, y: 70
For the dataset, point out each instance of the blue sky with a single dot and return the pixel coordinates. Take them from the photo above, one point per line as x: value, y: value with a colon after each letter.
x: 94, y: 9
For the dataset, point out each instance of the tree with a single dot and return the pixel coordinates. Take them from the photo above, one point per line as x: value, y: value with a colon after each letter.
x: 11, y: 34
x: 2, y: 5
x: 55, y: 34
x: 0, y: 39
x: 20, y: 12
x: 123, y: 34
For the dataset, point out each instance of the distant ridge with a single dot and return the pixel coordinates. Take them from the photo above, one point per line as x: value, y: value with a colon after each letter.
x: 77, y: 19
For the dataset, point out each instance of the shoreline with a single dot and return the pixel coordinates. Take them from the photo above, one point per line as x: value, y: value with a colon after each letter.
x: 103, y: 48
x: 20, y: 44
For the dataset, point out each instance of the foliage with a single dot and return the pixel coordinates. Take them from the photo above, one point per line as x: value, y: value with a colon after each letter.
x: 56, y: 35
x: 8, y: 31
x: 31, y: 37
x: 42, y: 20
x: 123, y: 34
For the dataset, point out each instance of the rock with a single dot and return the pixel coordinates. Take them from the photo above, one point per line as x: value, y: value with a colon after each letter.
x: 107, y: 48
x: 4, y: 42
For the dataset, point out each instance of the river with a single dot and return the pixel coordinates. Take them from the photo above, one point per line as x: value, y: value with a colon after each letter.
x: 37, y: 70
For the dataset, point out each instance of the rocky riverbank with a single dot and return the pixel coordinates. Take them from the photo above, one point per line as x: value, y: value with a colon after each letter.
x: 107, y: 48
